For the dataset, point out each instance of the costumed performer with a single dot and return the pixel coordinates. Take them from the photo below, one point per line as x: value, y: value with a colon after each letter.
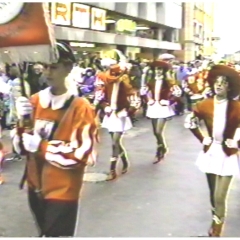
x: 60, y: 146
x: 119, y: 101
x: 161, y: 95
x: 219, y: 159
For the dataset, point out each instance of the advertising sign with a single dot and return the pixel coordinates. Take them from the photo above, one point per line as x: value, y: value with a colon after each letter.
x: 126, y: 25
x: 61, y: 13
x: 81, y: 15
x: 98, y: 19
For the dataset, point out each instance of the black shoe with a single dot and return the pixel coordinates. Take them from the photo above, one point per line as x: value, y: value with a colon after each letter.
x: 161, y: 152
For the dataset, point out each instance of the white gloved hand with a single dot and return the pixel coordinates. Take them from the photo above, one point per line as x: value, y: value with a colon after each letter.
x: 99, y: 95
x: 207, y: 141
x: 107, y: 109
x: 150, y: 102
x: 231, y: 143
x: 165, y: 102
x: 31, y: 142
x: 23, y: 106
x: 176, y: 91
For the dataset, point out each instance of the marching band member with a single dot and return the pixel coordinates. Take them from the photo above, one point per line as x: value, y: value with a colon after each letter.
x: 119, y: 102
x: 219, y: 159
x: 161, y: 95
x: 59, y: 148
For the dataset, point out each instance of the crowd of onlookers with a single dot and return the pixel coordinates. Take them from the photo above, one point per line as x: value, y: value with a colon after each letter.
x: 10, y: 89
x: 85, y: 76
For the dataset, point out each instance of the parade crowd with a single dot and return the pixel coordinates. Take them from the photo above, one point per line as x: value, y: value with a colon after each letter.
x: 70, y: 100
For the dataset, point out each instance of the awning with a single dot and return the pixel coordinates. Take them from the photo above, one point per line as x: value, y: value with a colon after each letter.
x: 83, y: 35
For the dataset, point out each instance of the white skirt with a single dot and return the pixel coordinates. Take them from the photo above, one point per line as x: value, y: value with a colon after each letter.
x: 215, y: 161
x: 116, y: 124
x: 158, y: 111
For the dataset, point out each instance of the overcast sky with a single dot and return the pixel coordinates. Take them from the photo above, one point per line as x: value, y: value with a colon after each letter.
x: 227, y: 20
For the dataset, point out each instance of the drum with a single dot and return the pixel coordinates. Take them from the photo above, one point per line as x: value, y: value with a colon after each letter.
x: 196, y: 98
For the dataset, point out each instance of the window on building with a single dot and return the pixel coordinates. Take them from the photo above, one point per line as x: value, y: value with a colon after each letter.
x: 200, y: 31
x: 195, y: 29
x: 168, y: 35
x: 176, y: 35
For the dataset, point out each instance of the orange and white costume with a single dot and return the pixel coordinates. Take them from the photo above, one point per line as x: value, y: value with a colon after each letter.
x: 119, y: 99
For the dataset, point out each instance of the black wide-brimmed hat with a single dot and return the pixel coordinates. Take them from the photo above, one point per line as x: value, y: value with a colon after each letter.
x: 65, y: 52
x: 232, y: 76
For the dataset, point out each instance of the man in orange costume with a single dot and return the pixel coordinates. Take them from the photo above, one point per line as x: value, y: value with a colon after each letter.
x: 59, y: 148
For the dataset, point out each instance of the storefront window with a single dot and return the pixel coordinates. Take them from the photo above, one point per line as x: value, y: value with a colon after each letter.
x: 147, y: 33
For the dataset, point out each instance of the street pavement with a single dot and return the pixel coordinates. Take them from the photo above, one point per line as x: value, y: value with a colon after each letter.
x: 170, y: 199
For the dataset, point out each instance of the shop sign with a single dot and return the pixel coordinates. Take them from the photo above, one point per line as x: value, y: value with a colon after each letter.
x: 80, y: 15
x: 126, y: 25
x: 98, y: 19
x: 61, y: 13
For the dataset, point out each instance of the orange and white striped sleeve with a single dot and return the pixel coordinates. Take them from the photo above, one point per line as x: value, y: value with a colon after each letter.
x: 81, y: 149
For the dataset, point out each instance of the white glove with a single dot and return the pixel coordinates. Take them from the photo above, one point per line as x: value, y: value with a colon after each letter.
x: 207, y: 141
x: 231, y: 143
x: 99, y: 95
x: 23, y: 106
x: 165, y: 102
x: 176, y: 91
x: 151, y: 102
x: 31, y: 142
x: 107, y: 109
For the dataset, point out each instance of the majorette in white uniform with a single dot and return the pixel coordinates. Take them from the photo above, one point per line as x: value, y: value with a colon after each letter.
x: 161, y: 95
x: 161, y: 92
x: 220, y: 156
x: 119, y: 100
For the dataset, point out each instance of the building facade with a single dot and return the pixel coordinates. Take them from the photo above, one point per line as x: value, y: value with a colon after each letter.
x: 134, y: 28
x: 198, y: 28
